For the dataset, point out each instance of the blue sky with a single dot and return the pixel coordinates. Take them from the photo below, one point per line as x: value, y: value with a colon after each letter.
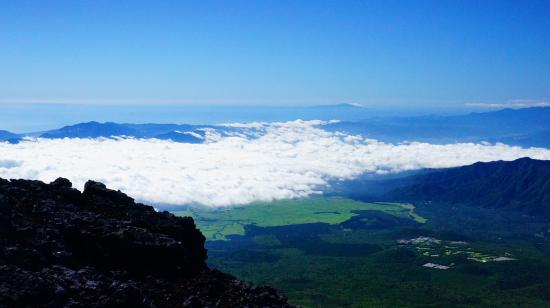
x: 380, y: 53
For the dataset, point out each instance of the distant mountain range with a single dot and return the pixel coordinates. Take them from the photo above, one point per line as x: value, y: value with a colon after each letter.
x: 5, y: 135
x: 523, y: 127
x: 9, y: 136
x: 176, y: 132
x: 540, y: 139
x: 523, y: 184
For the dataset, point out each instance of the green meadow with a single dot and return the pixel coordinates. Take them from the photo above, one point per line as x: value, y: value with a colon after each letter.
x: 217, y: 224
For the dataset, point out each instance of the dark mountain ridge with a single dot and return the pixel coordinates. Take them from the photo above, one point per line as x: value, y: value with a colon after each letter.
x: 9, y: 136
x: 92, y: 130
x: 522, y: 184
x: 98, y: 248
x: 109, y: 129
x: 4, y: 134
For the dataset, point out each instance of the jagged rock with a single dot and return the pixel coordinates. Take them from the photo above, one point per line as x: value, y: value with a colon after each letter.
x: 98, y: 248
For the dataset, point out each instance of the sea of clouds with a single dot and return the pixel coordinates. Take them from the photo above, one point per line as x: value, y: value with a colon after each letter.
x: 269, y: 161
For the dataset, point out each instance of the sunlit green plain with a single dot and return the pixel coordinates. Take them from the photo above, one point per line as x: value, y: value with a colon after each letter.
x: 217, y: 224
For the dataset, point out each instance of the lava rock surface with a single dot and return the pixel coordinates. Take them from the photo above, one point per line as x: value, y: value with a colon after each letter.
x: 63, y: 248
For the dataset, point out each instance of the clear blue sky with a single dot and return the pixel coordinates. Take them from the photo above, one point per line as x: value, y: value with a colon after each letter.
x: 391, y: 53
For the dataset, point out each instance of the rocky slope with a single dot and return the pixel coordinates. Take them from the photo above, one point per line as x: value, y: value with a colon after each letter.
x: 63, y: 248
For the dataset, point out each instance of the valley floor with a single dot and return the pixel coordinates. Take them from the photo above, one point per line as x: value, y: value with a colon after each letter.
x: 337, y: 252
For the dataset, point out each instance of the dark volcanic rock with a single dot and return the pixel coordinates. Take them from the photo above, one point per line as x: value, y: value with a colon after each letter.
x: 98, y: 248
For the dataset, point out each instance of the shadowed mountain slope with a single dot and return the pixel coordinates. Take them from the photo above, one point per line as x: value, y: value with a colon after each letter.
x: 523, y: 184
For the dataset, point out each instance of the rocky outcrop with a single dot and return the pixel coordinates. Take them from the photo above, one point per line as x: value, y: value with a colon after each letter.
x: 98, y: 248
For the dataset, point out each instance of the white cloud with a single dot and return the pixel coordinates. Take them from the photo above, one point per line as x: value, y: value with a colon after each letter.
x: 286, y: 160
x: 521, y: 103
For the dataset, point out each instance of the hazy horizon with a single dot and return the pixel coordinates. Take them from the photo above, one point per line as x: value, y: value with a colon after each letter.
x: 35, y: 117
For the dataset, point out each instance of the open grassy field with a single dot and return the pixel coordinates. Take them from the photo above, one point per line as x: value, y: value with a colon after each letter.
x: 217, y: 224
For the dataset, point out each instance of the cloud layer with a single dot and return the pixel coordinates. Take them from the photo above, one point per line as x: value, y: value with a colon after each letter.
x: 521, y: 103
x: 282, y: 160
